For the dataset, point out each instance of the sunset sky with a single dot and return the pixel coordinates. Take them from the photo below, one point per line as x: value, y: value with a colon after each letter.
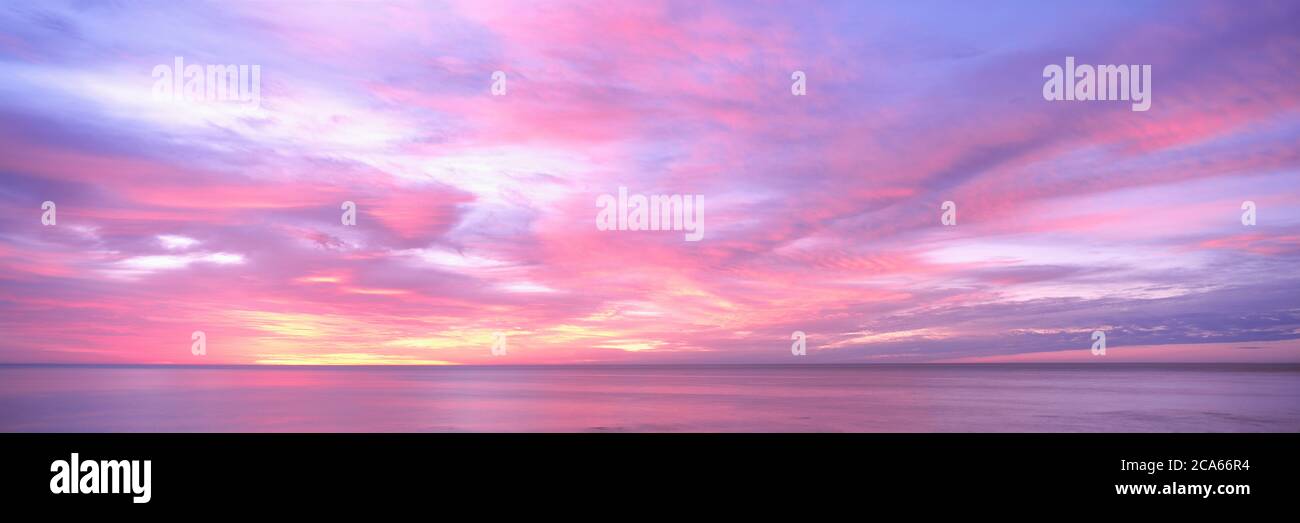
x: 476, y: 213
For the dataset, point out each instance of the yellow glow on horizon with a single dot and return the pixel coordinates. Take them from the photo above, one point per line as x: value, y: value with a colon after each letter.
x: 632, y: 346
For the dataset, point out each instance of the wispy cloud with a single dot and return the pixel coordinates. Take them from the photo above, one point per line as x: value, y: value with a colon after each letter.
x: 474, y: 212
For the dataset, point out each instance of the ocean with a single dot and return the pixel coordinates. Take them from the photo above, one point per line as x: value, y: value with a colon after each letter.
x: 710, y: 398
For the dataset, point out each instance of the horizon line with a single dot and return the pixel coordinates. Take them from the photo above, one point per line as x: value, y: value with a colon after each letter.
x: 558, y: 365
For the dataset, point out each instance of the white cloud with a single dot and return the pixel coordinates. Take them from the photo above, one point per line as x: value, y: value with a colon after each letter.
x: 174, y: 242
x: 140, y: 265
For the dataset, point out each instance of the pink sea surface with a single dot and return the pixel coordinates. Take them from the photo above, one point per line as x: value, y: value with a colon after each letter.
x: 724, y: 398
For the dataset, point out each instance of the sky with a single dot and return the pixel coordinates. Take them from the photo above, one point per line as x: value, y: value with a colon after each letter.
x: 476, y: 200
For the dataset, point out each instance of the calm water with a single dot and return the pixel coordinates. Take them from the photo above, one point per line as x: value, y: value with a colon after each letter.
x: 909, y: 398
